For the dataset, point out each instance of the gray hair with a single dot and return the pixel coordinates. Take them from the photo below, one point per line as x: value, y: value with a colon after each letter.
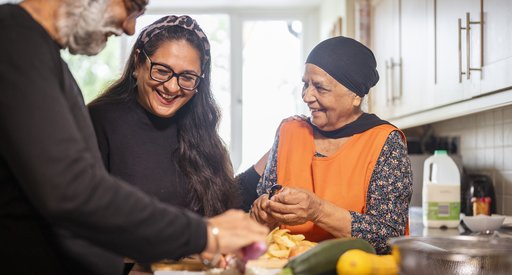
x: 83, y: 25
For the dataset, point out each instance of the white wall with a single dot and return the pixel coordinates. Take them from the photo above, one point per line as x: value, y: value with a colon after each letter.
x: 330, y: 11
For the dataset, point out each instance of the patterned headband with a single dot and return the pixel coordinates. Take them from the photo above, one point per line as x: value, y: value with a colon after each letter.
x: 183, y: 21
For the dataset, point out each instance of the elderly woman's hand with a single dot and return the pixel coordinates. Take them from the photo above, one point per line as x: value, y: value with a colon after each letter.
x: 294, y: 206
x: 259, y: 212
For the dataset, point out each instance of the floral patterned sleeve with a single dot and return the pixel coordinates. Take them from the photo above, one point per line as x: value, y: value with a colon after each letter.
x: 269, y: 177
x: 389, y: 193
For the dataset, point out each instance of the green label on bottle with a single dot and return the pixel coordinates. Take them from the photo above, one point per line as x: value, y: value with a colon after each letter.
x: 443, y: 211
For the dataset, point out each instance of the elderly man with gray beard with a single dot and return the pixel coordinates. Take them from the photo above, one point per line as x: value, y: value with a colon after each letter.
x: 60, y: 211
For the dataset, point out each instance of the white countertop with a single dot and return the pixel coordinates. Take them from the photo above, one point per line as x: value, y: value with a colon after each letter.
x: 417, y: 228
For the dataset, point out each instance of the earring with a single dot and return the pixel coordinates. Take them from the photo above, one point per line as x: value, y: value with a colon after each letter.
x: 134, y: 77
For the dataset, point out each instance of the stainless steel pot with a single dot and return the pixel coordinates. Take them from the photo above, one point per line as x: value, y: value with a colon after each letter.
x: 463, y: 255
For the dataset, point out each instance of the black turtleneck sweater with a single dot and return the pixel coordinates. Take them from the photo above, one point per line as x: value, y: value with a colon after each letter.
x: 137, y: 147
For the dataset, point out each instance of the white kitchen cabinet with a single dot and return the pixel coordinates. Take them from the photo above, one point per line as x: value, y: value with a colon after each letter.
x: 399, y: 42
x: 454, y: 45
x: 440, y: 62
x: 385, y: 38
x: 413, y: 52
x: 497, y: 53
x: 484, y: 49
x: 468, y: 62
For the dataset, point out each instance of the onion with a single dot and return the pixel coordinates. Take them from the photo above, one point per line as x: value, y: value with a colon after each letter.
x: 253, y: 251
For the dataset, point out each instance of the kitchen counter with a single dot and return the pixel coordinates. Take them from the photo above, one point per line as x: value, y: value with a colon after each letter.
x: 417, y: 229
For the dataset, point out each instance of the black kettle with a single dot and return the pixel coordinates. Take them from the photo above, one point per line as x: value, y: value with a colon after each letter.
x: 477, y: 195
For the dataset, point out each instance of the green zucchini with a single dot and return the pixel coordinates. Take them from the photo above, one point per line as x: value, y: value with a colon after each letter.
x: 322, y: 258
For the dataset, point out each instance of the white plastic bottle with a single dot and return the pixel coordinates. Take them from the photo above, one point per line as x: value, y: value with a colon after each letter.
x: 441, y: 191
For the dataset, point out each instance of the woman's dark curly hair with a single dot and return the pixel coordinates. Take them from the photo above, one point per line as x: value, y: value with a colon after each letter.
x: 201, y: 154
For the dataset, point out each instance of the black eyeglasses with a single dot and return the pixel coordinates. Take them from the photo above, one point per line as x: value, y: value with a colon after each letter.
x: 162, y: 73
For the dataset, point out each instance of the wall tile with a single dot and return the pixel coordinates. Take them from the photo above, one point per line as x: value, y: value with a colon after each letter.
x: 488, y: 134
x: 489, y: 118
x: 498, y: 158
x: 507, y: 114
x: 507, y: 184
x: 489, y: 158
x: 498, y: 185
x: 507, y: 205
x: 497, y: 181
x: 498, y: 135
x: 507, y: 134
x: 466, y: 122
x: 486, y: 147
x: 468, y: 139
x: 499, y: 204
x: 498, y: 117
x: 480, y: 159
x: 491, y: 141
x: 469, y: 159
x: 444, y: 125
x: 507, y: 159
x: 482, y: 119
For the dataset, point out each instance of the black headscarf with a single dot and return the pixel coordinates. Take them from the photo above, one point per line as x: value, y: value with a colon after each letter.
x: 349, y: 62
x: 353, y: 65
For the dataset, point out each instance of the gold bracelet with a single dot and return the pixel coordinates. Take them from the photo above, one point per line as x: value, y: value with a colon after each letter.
x: 217, y: 256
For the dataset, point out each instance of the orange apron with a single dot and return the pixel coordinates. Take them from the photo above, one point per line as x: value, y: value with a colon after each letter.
x: 341, y: 178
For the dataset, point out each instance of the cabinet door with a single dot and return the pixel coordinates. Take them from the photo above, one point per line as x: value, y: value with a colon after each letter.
x: 497, y: 58
x: 450, y: 50
x: 413, y: 51
x: 385, y: 46
x: 400, y: 44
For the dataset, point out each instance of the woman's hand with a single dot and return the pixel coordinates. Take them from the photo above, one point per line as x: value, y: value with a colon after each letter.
x: 294, y: 206
x: 232, y: 230
x: 259, y: 212
x: 292, y: 118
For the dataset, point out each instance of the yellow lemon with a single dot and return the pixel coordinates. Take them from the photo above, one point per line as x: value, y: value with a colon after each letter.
x: 395, y: 251
x: 354, y: 261
x: 385, y: 265
x: 358, y: 262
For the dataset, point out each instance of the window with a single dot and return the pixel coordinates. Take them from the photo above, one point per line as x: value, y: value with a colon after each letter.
x: 95, y: 73
x: 271, y: 82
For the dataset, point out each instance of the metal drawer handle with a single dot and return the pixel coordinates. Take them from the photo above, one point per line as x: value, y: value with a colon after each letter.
x: 390, y: 78
x: 467, y: 28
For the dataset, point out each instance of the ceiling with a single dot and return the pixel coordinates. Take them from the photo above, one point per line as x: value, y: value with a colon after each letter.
x: 202, y: 4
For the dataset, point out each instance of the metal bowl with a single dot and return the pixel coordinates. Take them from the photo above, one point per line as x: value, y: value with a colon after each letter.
x: 463, y: 255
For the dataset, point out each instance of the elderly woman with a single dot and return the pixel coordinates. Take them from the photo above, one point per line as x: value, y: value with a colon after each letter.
x: 345, y: 173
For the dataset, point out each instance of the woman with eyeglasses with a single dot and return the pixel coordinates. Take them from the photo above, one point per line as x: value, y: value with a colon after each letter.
x: 157, y: 125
